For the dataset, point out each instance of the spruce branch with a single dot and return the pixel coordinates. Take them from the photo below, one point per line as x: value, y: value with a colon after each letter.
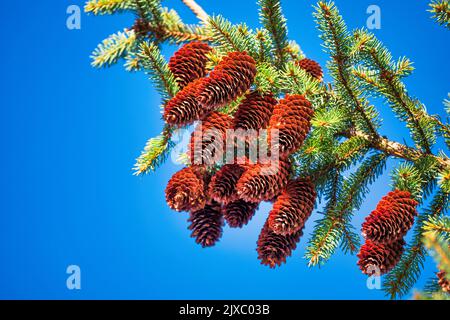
x: 155, y: 152
x: 100, y: 7
x: 329, y: 230
x: 440, y: 248
x: 385, y: 79
x: 438, y: 225
x: 441, y: 12
x: 338, y: 42
x: 114, y: 48
x: 273, y: 20
x: 156, y: 67
x: 197, y: 10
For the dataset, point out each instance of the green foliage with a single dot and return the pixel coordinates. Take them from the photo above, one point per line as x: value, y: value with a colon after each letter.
x: 382, y: 77
x: 439, y: 225
x: 150, y: 10
x: 155, y: 153
x: 156, y: 67
x: 114, y: 48
x: 229, y: 37
x: 99, y: 7
x: 440, y: 250
x: 441, y: 12
x: 444, y: 180
x: 297, y: 81
x: 339, y: 44
x: 273, y: 20
x: 329, y: 231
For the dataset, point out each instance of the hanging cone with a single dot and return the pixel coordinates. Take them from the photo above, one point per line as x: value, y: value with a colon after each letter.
x: 254, y: 111
x: 208, y: 141
x: 141, y: 27
x: 186, y: 189
x: 231, y: 78
x: 273, y: 249
x: 293, y: 207
x: 392, y: 218
x: 263, y: 182
x: 184, y: 109
x: 291, y: 116
x: 377, y: 258
x: 311, y: 67
x: 443, y: 282
x: 238, y: 213
x: 206, y: 224
x: 189, y: 62
x: 223, y: 184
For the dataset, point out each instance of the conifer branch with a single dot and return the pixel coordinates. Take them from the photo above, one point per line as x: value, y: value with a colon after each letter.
x: 273, y: 20
x: 113, y: 48
x: 99, y: 7
x: 337, y: 40
x: 155, y: 152
x: 329, y: 230
x: 197, y: 10
x: 441, y: 12
x: 156, y: 67
x: 385, y: 78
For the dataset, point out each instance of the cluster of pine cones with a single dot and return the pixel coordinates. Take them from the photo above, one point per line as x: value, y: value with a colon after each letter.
x: 384, y: 230
x: 233, y: 192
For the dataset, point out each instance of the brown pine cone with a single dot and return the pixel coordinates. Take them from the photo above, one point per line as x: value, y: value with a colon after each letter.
x: 206, y: 224
x: 184, y: 109
x: 189, y: 62
x: 186, y: 189
x: 292, y: 117
x: 311, y: 67
x: 293, y: 207
x: 238, y: 213
x: 443, y: 281
x: 273, y: 249
x: 376, y: 257
x: 263, y: 182
x: 208, y: 141
x: 392, y: 218
x: 223, y: 184
x: 141, y: 27
x: 231, y: 78
x: 254, y: 111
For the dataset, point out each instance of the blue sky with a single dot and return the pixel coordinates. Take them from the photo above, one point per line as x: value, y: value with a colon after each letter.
x: 70, y: 135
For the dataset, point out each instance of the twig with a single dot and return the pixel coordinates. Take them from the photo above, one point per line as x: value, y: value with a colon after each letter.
x: 197, y: 10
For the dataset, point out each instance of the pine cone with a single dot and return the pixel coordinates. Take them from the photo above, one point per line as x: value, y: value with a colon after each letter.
x: 443, y: 281
x: 189, y: 62
x: 376, y: 257
x: 208, y: 141
x: 238, y: 213
x: 184, y: 109
x: 291, y: 116
x: 392, y: 218
x: 223, y: 184
x: 141, y: 27
x: 231, y: 78
x: 206, y: 224
x: 273, y: 249
x: 311, y: 67
x: 293, y: 207
x: 254, y: 111
x: 263, y: 182
x: 186, y: 189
